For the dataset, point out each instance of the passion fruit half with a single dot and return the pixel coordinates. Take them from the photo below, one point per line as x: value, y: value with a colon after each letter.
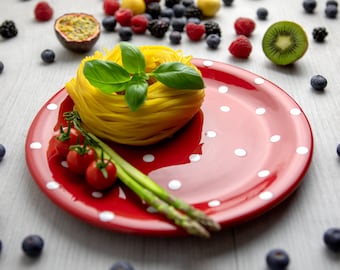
x: 77, y: 32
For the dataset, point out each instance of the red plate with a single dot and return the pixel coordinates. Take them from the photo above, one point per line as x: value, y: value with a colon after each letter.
x: 246, y: 151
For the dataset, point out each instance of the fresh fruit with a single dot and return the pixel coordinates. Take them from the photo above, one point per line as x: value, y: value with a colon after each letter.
x: 213, y: 41
x: 125, y: 33
x: 318, y: 82
x: 244, y: 26
x: 66, y: 137
x: 331, y: 11
x: 154, y: 9
x: 195, y: 31
x: 1, y: 67
x: 262, y: 13
x: 33, y: 245
x: 166, y: 13
x: 101, y: 174
x: 139, y: 24
x: 331, y: 2
x: 171, y: 3
x: 277, y: 259
x: 109, y: 23
x: 193, y: 11
x: 175, y: 37
x: 158, y: 28
x: 2, y: 152
x: 319, y: 34
x: 43, y: 11
x: 8, y: 29
x: 123, y: 16
x: 212, y: 27
x: 77, y: 31
x: 228, y: 2
x: 309, y: 5
x: 122, y: 266
x: 178, y: 10
x: 338, y: 150
x: 0, y: 246
x: 241, y: 47
x: 110, y: 7
x: 209, y: 8
x: 284, y: 42
x: 79, y: 158
x: 178, y: 24
x: 331, y: 238
x: 47, y: 56
x: 136, y: 6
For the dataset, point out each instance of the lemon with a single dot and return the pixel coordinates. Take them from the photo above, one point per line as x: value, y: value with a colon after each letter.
x: 209, y: 8
x: 136, y: 6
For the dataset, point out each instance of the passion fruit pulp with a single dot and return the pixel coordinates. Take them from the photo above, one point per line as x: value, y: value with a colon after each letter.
x: 77, y: 32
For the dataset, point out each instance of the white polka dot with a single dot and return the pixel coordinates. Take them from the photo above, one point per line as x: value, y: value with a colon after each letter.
x: 208, y: 63
x: 302, y: 150
x: 295, y: 111
x: 259, y: 81
x: 151, y: 209
x: 210, y: 134
x: 263, y: 173
x: 266, y: 195
x: 214, y: 203
x: 97, y: 194
x: 240, y: 152
x: 35, y: 145
x: 225, y: 109
x: 194, y: 157
x: 223, y: 89
x: 106, y: 216
x: 64, y: 164
x: 260, y: 111
x: 275, y: 138
x: 175, y: 184
x: 52, y: 185
x: 52, y: 107
x: 149, y: 158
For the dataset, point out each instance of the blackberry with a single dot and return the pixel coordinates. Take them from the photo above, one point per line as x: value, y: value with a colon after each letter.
x: 154, y: 9
x: 319, y: 34
x: 212, y: 27
x: 8, y: 29
x: 1, y: 67
x: 171, y: 3
x: 158, y: 28
x: 33, y: 245
x: 277, y: 259
x: 187, y: 3
x: 193, y: 12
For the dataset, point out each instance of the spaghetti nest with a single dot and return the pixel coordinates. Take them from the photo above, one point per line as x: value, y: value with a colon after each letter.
x: 108, y: 116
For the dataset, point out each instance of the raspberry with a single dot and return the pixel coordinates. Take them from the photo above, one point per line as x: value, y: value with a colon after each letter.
x: 244, y: 26
x: 123, y: 16
x: 195, y: 31
x: 43, y: 11
x: 139, y: 24
x: 240, y: 47
x: 110, y: 6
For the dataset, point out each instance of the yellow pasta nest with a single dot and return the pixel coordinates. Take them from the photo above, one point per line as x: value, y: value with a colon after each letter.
x: 108, y: 116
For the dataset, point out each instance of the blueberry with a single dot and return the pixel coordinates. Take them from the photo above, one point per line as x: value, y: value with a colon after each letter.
x: 194, y: 20
x: 48, y: 56
x: 331, y: 238
x: 338, y: 150
x: 125, y: 33
x: 309, y: 5
x: 318, y: 82
x: 277, y: 259
x: 0, y: 246
x: 1, y: 67
x: 331, y: 11
x: 213, y: 41
x: 33, y: 245
x: 262, y: 13
x: 175, y: 37
x: 167, y: 13
x: 178, y: 24
x: 122, y: 266
x: 2, y: 151
x: 332, y: 2
x: 109, y: 23
x: 228, y: 2
x: 178, y: 10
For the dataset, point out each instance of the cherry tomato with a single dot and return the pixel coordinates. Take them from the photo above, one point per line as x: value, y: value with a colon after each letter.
x: 79, y: 158
x: 101, y: 174
x: 66, y: 137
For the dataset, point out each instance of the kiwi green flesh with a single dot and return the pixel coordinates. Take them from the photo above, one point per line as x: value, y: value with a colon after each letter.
x: 284, y: 42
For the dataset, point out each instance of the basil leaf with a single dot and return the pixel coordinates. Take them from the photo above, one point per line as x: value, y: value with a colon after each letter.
x: 178, y: 75
x: 132, y: 58
x: 135, y: 93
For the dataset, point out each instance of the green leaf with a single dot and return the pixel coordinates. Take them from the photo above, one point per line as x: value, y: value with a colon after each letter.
x: 178, y: 75
x: 132, y: 58
x: 135, y: 93
x: 106, y: 75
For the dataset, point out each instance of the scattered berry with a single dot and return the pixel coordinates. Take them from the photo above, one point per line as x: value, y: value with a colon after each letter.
x: 175, y: 37
x: 0, y: 246
x: 43, y: 11
x: 262, y: 13
x: 212, y: 27
x: 33, y: 245
x: 2, y: 151
x: 195, y: 31
x: 244, y: 26
x: 158, y: 28
x: 8, y: 29
x: 338, y: 150
x: 332, y: 239
x: 331, y: 2
x: 277, y: 259
x: 240, y: 47
x: 228, y: 3
x: 318, y: 82
x: 171, y: 3
x: 123, y: 16
x: 178, y: 10
x: 110, y: 7
x: 154, y: 9
x: 213, y: 41
x: 188, y: 3
x: 178, y: 24
x: 125, y: 33
x: 122, y: 266
x: 194, y: 20
x: 309, y: 5
x: 319, y: 34
x: 139, y: 24
x: 109, y: 23
x: 193, y: 11
x: 331, y: 11
x: 1, y: 67
x: 167, y: 13
x: 48, y: 56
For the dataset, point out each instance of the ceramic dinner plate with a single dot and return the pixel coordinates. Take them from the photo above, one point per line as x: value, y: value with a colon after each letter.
x: 245, y: 152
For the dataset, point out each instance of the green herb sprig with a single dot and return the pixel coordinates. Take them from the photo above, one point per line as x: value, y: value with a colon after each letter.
x: 131, y: 77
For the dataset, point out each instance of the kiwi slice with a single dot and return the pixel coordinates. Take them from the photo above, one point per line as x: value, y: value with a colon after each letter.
x: 284, y: 42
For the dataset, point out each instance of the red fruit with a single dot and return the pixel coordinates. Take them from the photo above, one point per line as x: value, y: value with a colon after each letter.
x: 240, y: 47
x: 110, y: 7
x: 79, y: 158
x: 244, y: 26
x: 101, y: 174
x: 66, y: 137
x: 139, y: 24
x: 195, y: 31
x: 123, y: 16
x: 43, y: 11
